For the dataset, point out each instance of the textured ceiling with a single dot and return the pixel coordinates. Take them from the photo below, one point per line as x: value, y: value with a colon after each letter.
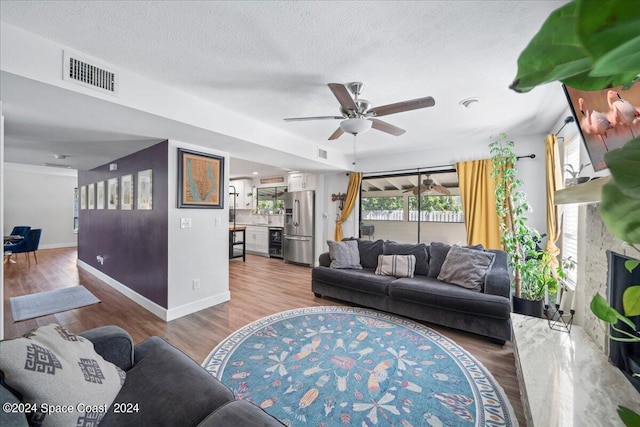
x: 270, y: 59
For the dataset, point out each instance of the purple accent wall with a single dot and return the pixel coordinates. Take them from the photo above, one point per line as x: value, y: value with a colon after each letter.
x: 134, y: 243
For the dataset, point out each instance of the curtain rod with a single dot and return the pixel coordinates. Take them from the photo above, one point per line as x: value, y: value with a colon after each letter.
x: 410, y: 170
x: 567, y: 120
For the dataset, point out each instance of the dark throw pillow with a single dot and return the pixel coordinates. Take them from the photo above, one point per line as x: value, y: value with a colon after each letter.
x: 439, y: 253
x: 466, y: 267
x: 369, y: 251
x: 396, y: 265
x: 419, y: 251
x: 344, y: 254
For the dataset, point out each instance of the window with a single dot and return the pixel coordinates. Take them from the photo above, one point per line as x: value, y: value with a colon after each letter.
x: 270, y: 199
x: 383, y: 208
x: 570, y: 215
x: 436, y: 209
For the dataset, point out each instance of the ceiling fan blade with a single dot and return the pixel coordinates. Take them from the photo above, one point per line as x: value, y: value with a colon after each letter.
x: 299, y: 119
x: 387, y: 127
x: 344, y: 97
x: 442, y: 190
x: 337, y: 134
x: 399, y: 107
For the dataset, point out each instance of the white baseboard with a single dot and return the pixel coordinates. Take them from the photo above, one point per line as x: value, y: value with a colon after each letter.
x: 163, y: 313
x: 192, y: 307
x: 156, y: 309
x: 58, y: 245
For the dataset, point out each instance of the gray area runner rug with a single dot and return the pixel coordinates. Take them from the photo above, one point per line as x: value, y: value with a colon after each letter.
x: 50, y: 302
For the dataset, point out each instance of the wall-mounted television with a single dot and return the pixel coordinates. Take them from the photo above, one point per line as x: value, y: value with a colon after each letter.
x: 604, y: 124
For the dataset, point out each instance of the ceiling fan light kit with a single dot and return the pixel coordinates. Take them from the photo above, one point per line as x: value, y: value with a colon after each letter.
x: 357, y: 114
x: 355, y: 126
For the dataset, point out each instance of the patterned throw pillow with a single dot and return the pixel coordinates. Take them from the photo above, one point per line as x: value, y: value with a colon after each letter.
x: 344, y: 254
x: 61, y: 375
x: 466, y: 267
x: 396, y: 265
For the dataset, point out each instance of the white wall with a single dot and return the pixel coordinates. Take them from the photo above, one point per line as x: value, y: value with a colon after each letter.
x: 200, y: 252
x: 40, y: 197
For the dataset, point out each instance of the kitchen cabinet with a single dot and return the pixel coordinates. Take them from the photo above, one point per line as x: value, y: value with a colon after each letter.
x: 257, y: 239
x: 243, y: 188
x: 299, y: 181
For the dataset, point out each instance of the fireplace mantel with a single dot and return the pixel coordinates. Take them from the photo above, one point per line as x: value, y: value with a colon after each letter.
x: 589, y: 192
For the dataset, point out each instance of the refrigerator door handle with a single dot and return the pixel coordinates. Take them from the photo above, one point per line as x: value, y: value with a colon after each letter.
x: 300, y: 239
x: 296, y: 212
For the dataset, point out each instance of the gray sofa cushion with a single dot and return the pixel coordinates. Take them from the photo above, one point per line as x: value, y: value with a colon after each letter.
x: 361, y: 280
x: 344, y: 254
x: 166, y: 400
x: 439, y: 253
x: 433, y: 292
x: 419, y: 251
x: 369, y: 251
x: 466, y: 267
x: 240, y: 413
x: 113, y: 343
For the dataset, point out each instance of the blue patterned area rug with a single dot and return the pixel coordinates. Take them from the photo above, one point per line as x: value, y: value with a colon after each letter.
x: 336, y: 366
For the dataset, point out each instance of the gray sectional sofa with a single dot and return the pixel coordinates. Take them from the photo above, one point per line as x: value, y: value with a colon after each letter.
x: 423, y: 297
x: 166, y: 386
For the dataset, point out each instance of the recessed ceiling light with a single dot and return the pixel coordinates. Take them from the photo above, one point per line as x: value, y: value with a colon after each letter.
x: 255, y: 173
x: 468, y: 102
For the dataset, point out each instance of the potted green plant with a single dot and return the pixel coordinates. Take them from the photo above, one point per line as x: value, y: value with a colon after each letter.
x: 575, y: 175
x: 592, y: 45
x: 533, y: 275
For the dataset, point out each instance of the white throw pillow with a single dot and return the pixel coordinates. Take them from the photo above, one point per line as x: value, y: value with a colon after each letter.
x: 396, y: 265
x: 60, y: 376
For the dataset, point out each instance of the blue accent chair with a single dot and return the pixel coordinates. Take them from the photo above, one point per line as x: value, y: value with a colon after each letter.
x: 29, y: 244
x: 19, y: 230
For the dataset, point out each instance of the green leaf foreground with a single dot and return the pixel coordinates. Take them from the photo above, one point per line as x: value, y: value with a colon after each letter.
x: 628, y: 417
x: 630, y: 264
x: 586, y: 44
x: 620, y: 213
x: 604, y: 311
x: 631, y: 301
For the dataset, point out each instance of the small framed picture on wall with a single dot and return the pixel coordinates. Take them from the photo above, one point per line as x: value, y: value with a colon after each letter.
x: 91, y: 196
x: 100, y: 195
x: 112, y: 193
x: 145, y: 190
x: 200, y: 178
x: 83, y: 197
x: 126, y: 192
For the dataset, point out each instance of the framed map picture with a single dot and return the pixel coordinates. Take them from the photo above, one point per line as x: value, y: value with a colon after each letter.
x: 112, y: 193
x: 100, y: 195
x: 126, y: 189
x: 91, y: 196
x: 145, y: 190
x: 83, y: 197
x: 200, y: 179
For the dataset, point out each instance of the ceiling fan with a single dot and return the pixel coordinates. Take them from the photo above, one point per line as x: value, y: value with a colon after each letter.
x: 427, y: 185
x: 357, y: 114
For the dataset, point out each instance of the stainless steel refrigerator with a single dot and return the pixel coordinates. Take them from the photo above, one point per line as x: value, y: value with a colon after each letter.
x: 299, y: 227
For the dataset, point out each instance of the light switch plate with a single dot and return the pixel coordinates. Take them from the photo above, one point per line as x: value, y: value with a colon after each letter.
x: 185, y: 222
x: 218, y: 221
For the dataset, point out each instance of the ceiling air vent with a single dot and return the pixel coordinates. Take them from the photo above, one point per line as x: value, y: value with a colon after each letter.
x: 322, y: 153
x: 78, y: 70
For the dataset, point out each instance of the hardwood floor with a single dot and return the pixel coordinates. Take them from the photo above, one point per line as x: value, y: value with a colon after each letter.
x: 259, y: 287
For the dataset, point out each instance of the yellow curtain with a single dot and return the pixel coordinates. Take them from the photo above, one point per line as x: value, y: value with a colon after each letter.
x: 554, y: 182
x: 477, y: 191
x: 355, y: 178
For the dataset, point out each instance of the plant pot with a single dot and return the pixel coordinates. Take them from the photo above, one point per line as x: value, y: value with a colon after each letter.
x: 527, y: 307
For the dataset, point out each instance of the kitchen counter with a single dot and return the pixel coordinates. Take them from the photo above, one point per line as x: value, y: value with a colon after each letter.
x: 237, y: 228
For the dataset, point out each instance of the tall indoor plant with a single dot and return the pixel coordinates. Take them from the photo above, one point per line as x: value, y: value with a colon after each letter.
x: 533, y: 275
x: 592, y: 45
